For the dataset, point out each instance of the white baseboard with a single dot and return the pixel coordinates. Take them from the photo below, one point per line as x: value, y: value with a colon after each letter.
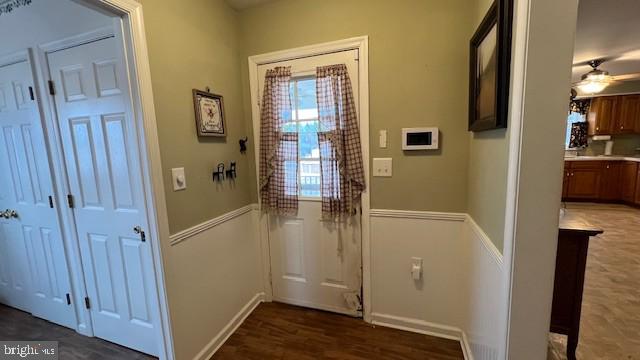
x: 425, y: 328
x: 466, y: 347
x: 230, y: 328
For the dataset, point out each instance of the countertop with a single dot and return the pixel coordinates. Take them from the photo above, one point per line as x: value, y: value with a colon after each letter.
x: 572, y: 223
x: 602, y: 158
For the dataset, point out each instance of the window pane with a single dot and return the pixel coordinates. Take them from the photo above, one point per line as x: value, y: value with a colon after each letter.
x: 310, y: 178
x: 306, y: 101
x: 289, y: 127
x: 308, y: 139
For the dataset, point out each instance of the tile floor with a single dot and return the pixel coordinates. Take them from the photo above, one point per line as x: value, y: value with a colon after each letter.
x: 610, y: 323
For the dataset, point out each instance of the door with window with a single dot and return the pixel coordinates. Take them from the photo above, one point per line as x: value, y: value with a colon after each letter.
x: 104, y: 172
x: 315, y: 262
x: 33, y: 267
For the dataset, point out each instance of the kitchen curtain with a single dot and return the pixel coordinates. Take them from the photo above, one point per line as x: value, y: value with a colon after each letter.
x: 278, y: 148
x: 341, y: 167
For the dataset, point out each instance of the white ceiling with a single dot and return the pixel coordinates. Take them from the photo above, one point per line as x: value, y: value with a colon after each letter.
x: 244, y: 4
x: 608, y: 29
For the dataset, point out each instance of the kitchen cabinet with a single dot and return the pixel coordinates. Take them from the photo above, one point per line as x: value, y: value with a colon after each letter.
x: 627, y: 114
x: 602, y: 181
x: 601, y: 116
x: 565, y: 182
x: 610, y: 181
x: 628, y: 175
x: 636, y: 198
x: 584, y: 180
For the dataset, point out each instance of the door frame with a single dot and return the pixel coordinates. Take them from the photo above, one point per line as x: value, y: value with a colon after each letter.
x: 361, y: 44
x: 531, y: 216
x: 129, y: 30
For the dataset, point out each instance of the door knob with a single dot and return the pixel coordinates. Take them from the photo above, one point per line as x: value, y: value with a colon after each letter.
x: 8, y: 214
x: 138, y: 230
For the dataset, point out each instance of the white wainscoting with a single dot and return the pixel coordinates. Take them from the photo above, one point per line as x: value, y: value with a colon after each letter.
x: 460, y: 293
x: 217, y: 268
x: 215, y: 277
x: 485, y: 317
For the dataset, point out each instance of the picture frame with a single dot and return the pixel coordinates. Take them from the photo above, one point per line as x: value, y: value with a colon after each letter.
x: 489, y: 69
x: 209, y: 114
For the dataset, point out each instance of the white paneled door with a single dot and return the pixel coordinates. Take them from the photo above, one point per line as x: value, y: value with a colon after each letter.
x: 105, y: 177
x: 314, y: 262
x: 33, y: 270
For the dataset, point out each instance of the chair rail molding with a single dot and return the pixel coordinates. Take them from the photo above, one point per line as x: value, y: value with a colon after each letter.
x: 204, y: 226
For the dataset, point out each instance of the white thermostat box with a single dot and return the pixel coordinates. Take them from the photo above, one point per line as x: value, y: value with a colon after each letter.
x: 420, y: 138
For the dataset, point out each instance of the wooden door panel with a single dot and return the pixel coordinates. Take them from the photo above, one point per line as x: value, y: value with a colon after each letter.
x: 610, y: 182
x: 628, y: 114
x: 584, y: 184
x: 628, y: 175
x: 601, y: 115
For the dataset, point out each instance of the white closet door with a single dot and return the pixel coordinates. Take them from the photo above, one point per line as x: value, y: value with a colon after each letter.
x: 314, y: 262
x: 105, y: 177
x: 32, y: 238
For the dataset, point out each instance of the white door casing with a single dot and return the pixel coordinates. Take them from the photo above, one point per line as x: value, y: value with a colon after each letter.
x: 102, y: 158
x: 33, y: 238
x: 316, y: 262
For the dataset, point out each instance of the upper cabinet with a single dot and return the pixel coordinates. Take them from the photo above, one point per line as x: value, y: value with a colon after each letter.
x: 610, y: 115
x: 628, y: 114
x: 601, y: 115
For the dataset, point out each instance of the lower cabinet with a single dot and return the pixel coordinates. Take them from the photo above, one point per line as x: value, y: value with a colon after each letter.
x: 609, y: 181
x: 584, y: 180
x: 629, y: 174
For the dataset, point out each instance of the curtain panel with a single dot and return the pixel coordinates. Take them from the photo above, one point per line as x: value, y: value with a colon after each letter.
x: 341, y: 168
x: 278, y: 148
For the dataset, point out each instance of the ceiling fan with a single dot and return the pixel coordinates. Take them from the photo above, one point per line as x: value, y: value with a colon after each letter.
x: 597, y: 80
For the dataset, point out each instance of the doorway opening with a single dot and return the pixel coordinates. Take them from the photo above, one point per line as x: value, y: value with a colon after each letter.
x: 596, y: 288
x: 80, y: 225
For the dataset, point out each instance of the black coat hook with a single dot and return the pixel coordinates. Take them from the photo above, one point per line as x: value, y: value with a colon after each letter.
x: 231, y: 173
x: 219, y: 173
x: 243, y: 144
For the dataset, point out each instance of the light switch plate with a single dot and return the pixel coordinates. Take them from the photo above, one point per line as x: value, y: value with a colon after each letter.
x: 383, y: 139
x: 178, y: 178
x: 382, y: 167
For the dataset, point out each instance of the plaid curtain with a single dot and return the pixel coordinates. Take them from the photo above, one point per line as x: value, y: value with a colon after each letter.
x: 341, y: 169
x: 278, y: 147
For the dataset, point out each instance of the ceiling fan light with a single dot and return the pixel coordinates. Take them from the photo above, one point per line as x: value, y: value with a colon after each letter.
x: 592, y: 86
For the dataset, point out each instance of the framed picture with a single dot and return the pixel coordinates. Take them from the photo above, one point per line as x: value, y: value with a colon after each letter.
x: 209, y: 110
x: 489, y: 69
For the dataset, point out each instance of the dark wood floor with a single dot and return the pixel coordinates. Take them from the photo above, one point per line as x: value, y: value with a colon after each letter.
x: 18, y: 325
x: 272, y: 331
x: 278, y: 331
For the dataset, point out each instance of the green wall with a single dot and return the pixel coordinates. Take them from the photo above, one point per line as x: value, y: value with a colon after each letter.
x: 418, y: 53
x: 195, y: 44
x: 488, y: 165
